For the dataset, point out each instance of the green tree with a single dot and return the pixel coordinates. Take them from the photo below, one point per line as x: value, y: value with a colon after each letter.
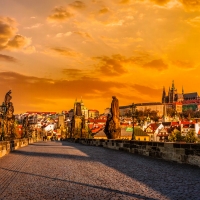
x: 175, y: 136
x: 170, y: 112
x: 190, y: 137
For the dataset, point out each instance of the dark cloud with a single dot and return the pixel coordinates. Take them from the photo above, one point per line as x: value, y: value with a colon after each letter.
x: 64, y: 51
x: 156, y: 64
x: 160, y: 2
x: 83, y: 34
x: 32, y: 91
x: 8, y: 37
x: 18, y: 42
x: 184, y: 64
x: 73, y: 73
x: 78, y: 5
x: 145, y: 90
x: 7, y: 30
x: 59, y: 14
x: 124, y: 1
x: 104, y: 10
x: 114, y: 65
x: 191, y: 5
x: 7, y: 58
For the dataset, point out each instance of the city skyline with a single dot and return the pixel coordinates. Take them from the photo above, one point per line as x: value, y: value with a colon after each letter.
x: 52, y: 52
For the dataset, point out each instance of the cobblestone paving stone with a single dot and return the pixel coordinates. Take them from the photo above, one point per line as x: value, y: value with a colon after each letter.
x: 62, y: 170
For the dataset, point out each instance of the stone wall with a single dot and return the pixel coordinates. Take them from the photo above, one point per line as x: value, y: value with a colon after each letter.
x: 188, y: 153
x: 8, y: 146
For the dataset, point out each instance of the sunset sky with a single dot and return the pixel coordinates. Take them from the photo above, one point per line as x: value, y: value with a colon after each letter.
x: 54, y: 51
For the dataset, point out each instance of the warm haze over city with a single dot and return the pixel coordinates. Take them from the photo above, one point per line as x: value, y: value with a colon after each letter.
x: 54, y: 51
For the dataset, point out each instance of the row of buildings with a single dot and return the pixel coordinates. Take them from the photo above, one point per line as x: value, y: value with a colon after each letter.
x: 52, y: 123
x: 172, y: 99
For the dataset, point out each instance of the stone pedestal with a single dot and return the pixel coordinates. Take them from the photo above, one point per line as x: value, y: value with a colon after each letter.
x: 76, y: 126
x: 112, y: 129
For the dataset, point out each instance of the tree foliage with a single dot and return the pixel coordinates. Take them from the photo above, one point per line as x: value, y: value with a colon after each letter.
x: 190, y: 137
x: 175, y: 136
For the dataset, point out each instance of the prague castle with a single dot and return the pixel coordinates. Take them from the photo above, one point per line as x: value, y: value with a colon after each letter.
x: 182, y: 100
x: 171, y: 99
x: 174, y: 96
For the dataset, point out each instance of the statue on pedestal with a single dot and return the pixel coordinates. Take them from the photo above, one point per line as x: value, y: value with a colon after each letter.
x: 112, y: 127
x: 8, y: 117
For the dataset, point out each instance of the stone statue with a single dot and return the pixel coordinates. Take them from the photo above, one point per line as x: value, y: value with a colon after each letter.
x: 115, y: 109
x: 7, y: 97
x: 112, y: 127
x: 25, y: 125
x: 8, y: 118
x: 10, y: 110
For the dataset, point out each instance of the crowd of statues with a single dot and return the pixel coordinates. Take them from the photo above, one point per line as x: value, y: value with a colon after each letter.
x: 78, y: 128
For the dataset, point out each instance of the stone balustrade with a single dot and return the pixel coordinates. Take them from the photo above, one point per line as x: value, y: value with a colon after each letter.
x: 8, y: 146
x: 188, y: 153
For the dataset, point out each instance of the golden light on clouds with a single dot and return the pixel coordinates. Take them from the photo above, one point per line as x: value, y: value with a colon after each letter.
x: 52, y: 52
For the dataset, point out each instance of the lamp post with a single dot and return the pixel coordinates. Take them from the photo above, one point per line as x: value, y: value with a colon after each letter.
x: 133, y: 107
x: 3, y: 111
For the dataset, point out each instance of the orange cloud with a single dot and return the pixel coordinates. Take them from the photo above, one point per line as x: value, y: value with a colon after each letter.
x: 75, y: 73
x: 104, y: 10
x: 30, y: 92
x: 7, y: 30
x: 160, y: 2
x: 184, y: 64
x: 156, y: 64
x: 77, y: 5
x: 191, y: 5
x: 148, y: 90
x: 114, y: 65
x: 9, y: 40
x: 63, y: 51
x: 7, y: 58
x: 83, y: 34
x: 59, y: 14
x: 18, y: 42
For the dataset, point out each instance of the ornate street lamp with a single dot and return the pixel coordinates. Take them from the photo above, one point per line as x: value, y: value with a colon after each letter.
x: 3, y: 112
x: 133, y: 107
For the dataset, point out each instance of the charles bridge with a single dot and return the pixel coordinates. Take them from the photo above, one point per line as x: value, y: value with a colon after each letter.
x: 82, y: 168
x: 98, y: 169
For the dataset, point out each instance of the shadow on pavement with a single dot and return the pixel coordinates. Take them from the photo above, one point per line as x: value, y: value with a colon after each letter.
x: 83, y: 184
x: 174, y: 180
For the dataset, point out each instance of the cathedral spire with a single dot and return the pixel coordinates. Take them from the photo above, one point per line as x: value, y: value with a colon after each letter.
x: 173, y: 87
x: 163, y: 95
x: 182, y: 90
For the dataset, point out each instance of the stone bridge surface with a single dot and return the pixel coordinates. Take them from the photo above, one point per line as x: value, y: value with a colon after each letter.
x: 63, y: 170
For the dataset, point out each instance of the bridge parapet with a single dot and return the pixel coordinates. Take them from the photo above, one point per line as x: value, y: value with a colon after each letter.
x: 188, y: 153
x: 8, y: 146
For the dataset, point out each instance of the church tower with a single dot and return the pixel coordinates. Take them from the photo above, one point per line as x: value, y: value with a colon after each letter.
x: 172, y: 93
x: 164, y: 96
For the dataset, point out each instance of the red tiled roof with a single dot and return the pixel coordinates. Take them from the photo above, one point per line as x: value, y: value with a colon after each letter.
x: 32, y: 112
x: 153, y: 126
x: 174, y: 123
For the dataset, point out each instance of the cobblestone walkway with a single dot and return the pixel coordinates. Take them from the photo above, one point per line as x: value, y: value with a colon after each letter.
x: 62, y: 170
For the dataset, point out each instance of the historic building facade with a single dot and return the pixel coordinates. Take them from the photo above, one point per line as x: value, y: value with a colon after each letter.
x: 180, y: 101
